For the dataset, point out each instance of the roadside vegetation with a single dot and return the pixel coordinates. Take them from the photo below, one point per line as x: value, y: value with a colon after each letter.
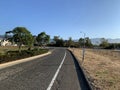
x: 14, y: 54
x: 59, y: 42
x: 101, y: 64
x: 102, y: 67
x: 27, y: 44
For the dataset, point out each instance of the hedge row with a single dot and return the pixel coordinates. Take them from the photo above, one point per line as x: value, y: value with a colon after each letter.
x: 15, y: 55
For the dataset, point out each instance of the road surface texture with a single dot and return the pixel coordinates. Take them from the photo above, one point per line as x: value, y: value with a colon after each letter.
x: 38, y: 74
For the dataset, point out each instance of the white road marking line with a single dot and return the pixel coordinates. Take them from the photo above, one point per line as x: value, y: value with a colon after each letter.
x: 55, y: 76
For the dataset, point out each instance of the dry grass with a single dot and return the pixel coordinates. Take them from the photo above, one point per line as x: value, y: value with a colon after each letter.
x: 102, y: 68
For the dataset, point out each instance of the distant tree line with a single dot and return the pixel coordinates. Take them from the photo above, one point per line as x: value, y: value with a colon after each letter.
x: 106, y: 45
x: 59, y: 42
x: 22, y: 36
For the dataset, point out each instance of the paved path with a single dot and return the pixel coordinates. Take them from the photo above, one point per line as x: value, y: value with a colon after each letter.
x: 39, y: 74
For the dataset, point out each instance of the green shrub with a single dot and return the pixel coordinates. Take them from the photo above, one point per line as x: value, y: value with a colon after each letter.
x: 14, y: 55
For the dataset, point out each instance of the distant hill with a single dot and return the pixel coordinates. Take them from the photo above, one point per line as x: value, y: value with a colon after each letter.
x: 97, y: 41
x: 114, y: 40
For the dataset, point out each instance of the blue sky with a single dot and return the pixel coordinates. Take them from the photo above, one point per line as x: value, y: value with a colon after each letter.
x: 66, y: 18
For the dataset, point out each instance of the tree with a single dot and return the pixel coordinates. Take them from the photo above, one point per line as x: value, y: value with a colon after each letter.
x: 34, y: 40
x: 43, y: 39
x: 6, y: 34
x: 70, y: 42
x: 88, y: 42
x: 60, y: 42
x: 29, y: 41
x: 47, y: 39
x: 22, y: 36
x: 104, y: 43
x: 9, y: 37
x: 81, y: 42
x: 56, y: 38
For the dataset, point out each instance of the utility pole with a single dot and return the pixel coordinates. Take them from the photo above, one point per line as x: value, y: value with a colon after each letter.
x: 83, y: 51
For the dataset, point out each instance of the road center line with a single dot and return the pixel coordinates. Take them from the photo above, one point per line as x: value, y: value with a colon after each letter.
x: 55, y: 76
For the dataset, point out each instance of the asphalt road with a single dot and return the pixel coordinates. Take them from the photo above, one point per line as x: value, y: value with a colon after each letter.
x: 38, y: 74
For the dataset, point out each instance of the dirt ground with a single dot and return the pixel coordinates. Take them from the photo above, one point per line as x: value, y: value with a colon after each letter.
x: 102, y: 67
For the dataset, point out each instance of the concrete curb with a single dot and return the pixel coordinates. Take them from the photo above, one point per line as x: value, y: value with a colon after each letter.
x: 82, y: 70
x: 8, y: 64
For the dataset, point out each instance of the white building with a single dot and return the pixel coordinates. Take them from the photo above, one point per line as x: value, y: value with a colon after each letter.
x: 5, y: 43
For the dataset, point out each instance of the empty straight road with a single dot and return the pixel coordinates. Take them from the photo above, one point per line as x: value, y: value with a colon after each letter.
x: 43, y: 74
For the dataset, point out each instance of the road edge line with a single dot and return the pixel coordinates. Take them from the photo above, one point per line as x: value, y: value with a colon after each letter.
x: 56, y: 74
